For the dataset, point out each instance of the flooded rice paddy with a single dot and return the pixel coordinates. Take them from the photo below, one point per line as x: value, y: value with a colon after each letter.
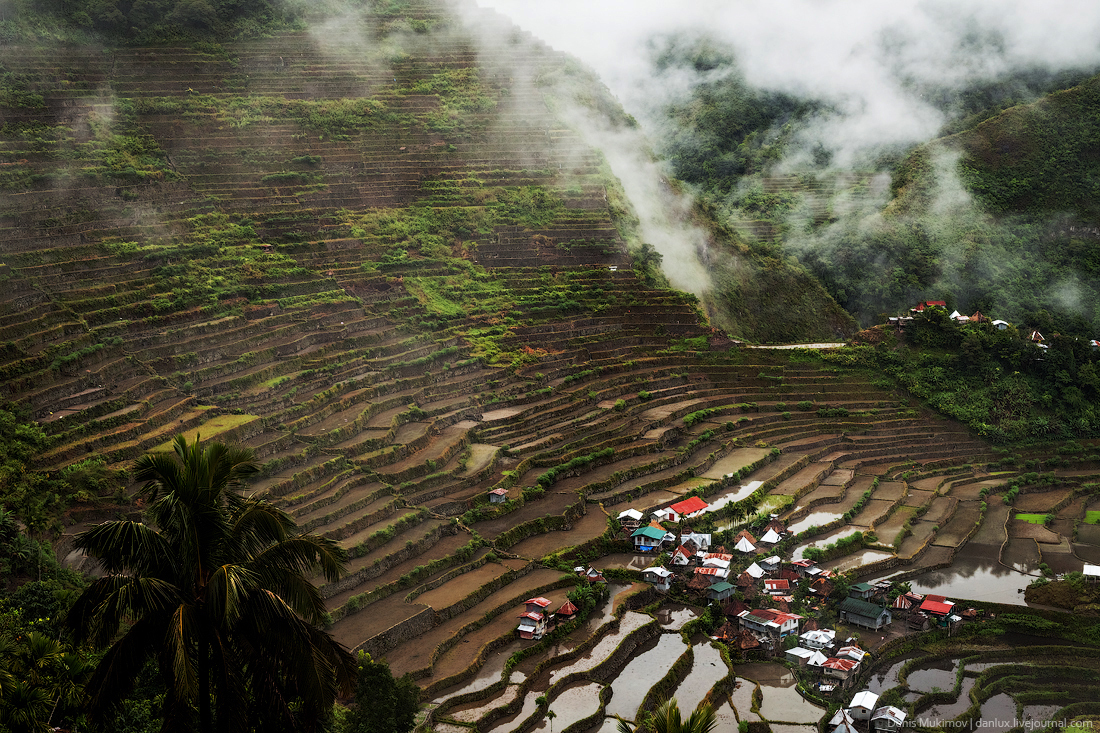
x: 641, y: 673
x: 781, y: 700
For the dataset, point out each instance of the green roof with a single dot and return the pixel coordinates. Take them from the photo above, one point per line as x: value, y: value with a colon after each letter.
x: 721, y: 587
x: 862, y: 587
x: 862, y: 608
x: 651, y: 532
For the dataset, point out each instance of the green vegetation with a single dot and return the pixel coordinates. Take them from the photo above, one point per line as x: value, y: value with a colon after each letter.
x: 1032, y: 518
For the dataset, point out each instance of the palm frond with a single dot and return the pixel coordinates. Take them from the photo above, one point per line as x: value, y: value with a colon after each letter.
x: 180, y: 641
x: 306, y: 553
x: 128, y: 546
x: 228, y: 589
x: 119, y: 667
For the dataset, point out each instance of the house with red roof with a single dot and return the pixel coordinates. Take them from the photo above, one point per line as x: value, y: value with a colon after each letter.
x: 532, y: 625
x: 498, y: 496
x: 691, y: 507
x: 567, y: 612
x: 777, y: 586
x: 925, y: 304
x: 537, y: 605
x: 844, y: 670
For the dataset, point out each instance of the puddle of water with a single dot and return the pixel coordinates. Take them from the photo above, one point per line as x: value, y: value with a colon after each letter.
x: 673, y: 616
x: 641, y: 673
x: 975, y: 573
x: 827, y: 539
x: 740, y: 493
x: 572, y: 704
x: 706, y: 669
x: 610, y: 725
x: 1022, y: 555
x: 742, y: 699
x: 781, y: 700
x: 940, y: 675
x: 813, y: 518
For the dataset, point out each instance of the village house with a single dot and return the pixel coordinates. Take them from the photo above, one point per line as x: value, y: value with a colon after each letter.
x: 863, y: 591
x: 696, y: 541
x: 630, y: 519
x: 887, y: 719
x: 851, y: 652
x: 498, y: 496
x: 844, y: 670
x: 906, y: 602
x: 803, y: 567
x: 567, y: 612
x: 660, y: 577
x: 713, y: 575
x: 770, y: 564
x: 755, y: 571
x: 863, y: 705
x: 770, y: 623
x: 532, y: 625
x: 842, y: 722
x: 771, y: 537
x: 938, y: 608
x: 862, y: 613
x: 817, y: 639
x: 720, y: 591
x: 537, y: 605
x: 777, y: 587
x: 690, y: 508
x: 647, y: 538
x: 681, y: 556
x: 1091, y: 573
x: 745, y: 542
x: 592, y: 575
x: 799, y: 656
x: 665, y: 515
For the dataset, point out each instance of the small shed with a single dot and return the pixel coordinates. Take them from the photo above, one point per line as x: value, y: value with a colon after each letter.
x: 863, y: 591
x: 567, y: 612
x: 498, y: 496
x: 630, y: 519
x: 887, y: 719
x: 1091, y: 573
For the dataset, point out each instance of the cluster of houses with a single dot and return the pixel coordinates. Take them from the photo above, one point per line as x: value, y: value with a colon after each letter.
x: 1033, y: 336
x: 536, y: 619
x: 865, y: 710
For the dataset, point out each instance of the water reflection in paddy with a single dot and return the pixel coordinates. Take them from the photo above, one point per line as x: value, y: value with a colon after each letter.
x: 886, y: 679
x: 827, y: 539
x: 813, y: 519
x: 736, y: 495
x: 781, y: 700
x: 975, y: 573
x: 630, y: 622
x: 572, y: 704
x: 937, y: 676
x: 707, y: 668
x: 742, y: 698
x: 675, y: 615
x: 998, y: 713
x: 641, y: 673
x: 946, y: 711
x: 488, y: 674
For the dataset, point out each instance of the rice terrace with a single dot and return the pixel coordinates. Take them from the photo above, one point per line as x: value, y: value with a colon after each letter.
x: 388, y: 256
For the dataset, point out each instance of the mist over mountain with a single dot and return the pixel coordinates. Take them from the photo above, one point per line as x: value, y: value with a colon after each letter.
x: 806, y: 127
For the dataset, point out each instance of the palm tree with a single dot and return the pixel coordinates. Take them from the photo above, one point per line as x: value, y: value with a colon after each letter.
x: 214, y: 592
x: 666, y: 719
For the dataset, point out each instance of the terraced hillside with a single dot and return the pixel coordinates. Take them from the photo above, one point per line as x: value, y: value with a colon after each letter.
x: 404, y: 282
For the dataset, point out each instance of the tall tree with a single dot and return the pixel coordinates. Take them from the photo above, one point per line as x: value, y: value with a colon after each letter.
x: 667, y: 719
x: 215, y: 593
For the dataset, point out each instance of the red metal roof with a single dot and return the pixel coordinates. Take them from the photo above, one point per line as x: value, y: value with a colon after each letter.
x: 567, y: 609
x: 940, y: 609
x: 689, y: 506
x: 844, y: 665
x: 540, y: 602
x: 532, y: 615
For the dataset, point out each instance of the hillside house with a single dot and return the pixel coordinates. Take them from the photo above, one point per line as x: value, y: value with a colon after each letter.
x: 863, y: 591
x: 887, y: 719
x: 926, y: 304
x: 770, y: 623
x: 660, y: 577
x: 592, y: 575
x: 851, y: 652
x: 713, y: 575
x: 743, y: 545
x: 531, y: 625
x: 567, y: 612
x: 720, y: 591
x: 681, y: 556
x: 906, y: 602
x: 863, y: 705
x: 862, y: 613
x: 937, y: 606
x: 1091, y: 573
x: 630, y: 519
x: 817, y: 639
x: 802, y: 567
x: 799, y: 656
x: 771, y: 537
x: 842, y: 722
x: 696, y: 541
x: 665, y: 515
x: 755, y: 571
x: 537, y: 605
x: 498, y: 496
x: 716, y: 560
x: 843, y: 670
x: 691, y: 507
x: 1001, y: 325
x: 822, y: 587
x: 647, y: 539
x: 777, y: 587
